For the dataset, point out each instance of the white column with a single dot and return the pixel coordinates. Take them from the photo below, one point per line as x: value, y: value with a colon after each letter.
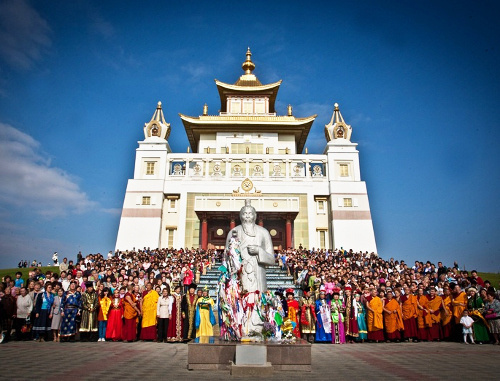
x: 207, y: 167
x: 186, y: 173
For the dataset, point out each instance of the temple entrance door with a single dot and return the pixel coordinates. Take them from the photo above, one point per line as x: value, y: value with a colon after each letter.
x: 218, y: 229
x: 277, y: 229
x: 217, y: 233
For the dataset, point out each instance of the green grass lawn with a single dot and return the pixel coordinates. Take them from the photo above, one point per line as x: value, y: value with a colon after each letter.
x: 12, y: 272
x: 494, y: 278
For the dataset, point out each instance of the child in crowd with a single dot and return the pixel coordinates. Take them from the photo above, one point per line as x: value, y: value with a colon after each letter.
x: 467, y: 322
x: 19, y: 282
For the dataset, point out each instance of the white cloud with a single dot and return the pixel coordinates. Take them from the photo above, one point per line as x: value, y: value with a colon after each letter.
x: 24, y: 34
x: 112, y: 211
x: 28, y: 180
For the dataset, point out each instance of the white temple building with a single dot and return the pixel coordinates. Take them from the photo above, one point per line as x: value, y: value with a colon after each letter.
x: 246, y: 151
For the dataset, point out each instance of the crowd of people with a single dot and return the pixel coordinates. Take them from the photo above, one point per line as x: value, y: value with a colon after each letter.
x: 340, y: 297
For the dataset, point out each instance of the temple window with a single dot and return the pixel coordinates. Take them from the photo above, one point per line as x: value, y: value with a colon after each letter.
x: 248, y: 107
x: 322, y: 238
x: 253, y: 148
x: 146, y: 200
x: 320, y: 207
x: 236, y: 106
x: 260, y: 107
x: 344, y: 170
x: 150, y: 168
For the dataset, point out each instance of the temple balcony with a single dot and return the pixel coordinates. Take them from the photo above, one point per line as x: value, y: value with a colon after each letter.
x: 240, y: 166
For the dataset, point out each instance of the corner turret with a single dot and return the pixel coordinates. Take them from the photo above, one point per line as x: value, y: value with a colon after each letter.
x: 157, y: 127
x: 337, y: 128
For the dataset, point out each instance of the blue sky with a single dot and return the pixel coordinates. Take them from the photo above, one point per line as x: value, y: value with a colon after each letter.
x: 417, y: 80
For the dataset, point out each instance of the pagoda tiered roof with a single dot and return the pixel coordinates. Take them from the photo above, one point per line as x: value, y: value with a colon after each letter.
x: 248, y: 85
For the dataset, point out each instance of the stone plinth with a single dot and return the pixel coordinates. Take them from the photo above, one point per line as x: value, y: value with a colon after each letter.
x: 212, y: 353
x: 251, y: 354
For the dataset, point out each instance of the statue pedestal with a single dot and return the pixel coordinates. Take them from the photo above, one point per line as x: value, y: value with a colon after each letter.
x: 251, y: 354
x: 211, y: 353
x: 251, y: 360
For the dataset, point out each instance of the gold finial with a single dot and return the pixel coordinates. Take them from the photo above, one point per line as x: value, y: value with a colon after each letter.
x: 306, y: 151
x: 188, y: 149
x: 248, y: 66
x: 336, y: 107
x: 290, y: 110
x: 159, y: 105
x: 205, y: 109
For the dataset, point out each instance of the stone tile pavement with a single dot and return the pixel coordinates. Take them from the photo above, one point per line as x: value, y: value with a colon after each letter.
x: 148, y: 361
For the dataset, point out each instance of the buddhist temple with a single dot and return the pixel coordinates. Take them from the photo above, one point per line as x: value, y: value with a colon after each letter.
x: 246, y: 151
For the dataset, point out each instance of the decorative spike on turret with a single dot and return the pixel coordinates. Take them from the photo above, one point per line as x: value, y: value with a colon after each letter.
x: 158, y: 114
x: 248, y: 66
x: 337, y: 116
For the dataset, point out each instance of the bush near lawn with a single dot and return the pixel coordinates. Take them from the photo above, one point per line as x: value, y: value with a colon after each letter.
x: 25, y: 271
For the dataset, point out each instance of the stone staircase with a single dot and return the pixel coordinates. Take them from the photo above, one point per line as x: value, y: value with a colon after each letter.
x: 276, y: 278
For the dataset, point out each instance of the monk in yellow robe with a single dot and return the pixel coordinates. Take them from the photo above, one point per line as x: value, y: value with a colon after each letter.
x: 149, y: 304
x: 374, y: 319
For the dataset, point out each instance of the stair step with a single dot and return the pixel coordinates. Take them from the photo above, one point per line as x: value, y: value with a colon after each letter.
x: 276, y: 278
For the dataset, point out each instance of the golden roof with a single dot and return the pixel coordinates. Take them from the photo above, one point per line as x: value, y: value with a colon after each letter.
x: 195, y: 126
x: 247, y: 84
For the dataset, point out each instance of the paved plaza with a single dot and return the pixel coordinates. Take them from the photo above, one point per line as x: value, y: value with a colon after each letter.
x: 146, y: 360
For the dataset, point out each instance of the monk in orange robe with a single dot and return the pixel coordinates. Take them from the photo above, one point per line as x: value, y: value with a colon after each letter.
x: 458, y: 305
x: 409, y: 310
x: 424, y: 320
x: 393, y: 319
x: 446, y: 313
x: 130, y: 313
x: 374, y: 319
x: 434, y: 308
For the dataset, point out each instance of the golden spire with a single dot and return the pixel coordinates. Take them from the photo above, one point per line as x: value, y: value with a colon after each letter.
x: 248, y: 66
x: 158, y: 115
x: 157, y: 126
x: 337, y: 116
x: 337, y: 128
